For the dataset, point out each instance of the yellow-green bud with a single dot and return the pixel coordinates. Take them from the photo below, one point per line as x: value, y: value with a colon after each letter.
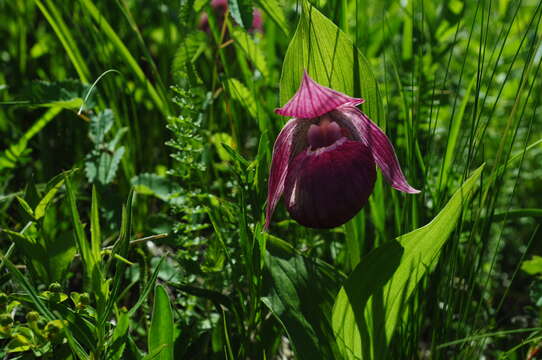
x: 32, y: 316
x: 84, y: 299
x: 55, y: 287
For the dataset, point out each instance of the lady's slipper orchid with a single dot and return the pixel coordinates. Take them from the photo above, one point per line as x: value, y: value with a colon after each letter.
x: 324, y: 158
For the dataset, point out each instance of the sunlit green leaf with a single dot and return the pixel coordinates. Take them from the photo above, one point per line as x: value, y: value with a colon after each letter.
x: 364, y: 336
x: 161, y: 329
x: 331, y: 59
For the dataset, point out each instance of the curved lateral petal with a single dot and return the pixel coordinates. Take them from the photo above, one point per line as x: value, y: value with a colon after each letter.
x: 381, y: 147
x: 279, y: 167
x: 312, y: 100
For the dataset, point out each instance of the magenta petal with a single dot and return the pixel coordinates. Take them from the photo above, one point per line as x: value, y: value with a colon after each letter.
x: 378, y: 142
x: 327, y: 187
x: 279, y: 167
x: 312, y: 100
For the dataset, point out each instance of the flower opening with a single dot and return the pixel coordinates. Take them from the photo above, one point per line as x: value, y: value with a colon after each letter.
x: 324, y: 158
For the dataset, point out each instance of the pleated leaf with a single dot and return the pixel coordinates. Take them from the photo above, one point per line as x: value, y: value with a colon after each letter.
x: 366, y: 311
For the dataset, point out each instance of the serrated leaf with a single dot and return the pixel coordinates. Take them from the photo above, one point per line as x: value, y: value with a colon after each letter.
x: 188, y: 51
x: 107, y: 165
x: 251, y: 50
x: 241, y: 12
x: 352, y: 312
x: 100, y: 124
x: 118, y: 136
x: 240, y: 93
x: 276, y: 12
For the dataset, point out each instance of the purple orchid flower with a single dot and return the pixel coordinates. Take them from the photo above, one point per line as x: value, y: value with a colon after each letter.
x: 324, y: 158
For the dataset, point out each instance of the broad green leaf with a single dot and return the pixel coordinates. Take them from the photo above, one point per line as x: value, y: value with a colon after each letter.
x: 251, y: 50
x: 47, y: 256
x: 59, y: 253
x: 331, y: 59
x: 373, y: 271
x: 300, y: 294
x: 241, y: 12
x: 161, y: 329
x: 421, y: 249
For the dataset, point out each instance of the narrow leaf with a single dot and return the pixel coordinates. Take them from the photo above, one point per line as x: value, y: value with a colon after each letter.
x: 39, y: 212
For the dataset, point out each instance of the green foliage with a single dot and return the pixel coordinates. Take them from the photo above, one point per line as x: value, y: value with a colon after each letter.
x: 373, y: 298
x: 102, y: 162
x: 186, y: 123
x: 161, y: 330
x: 241, y: 12
x: 300, y: 294
x: 316, y: 44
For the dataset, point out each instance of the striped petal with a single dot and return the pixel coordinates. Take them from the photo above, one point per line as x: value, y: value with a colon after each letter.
x: 282, y: 151
x: 327, y: 187
x: 312, y: 100
x: 370, y: 134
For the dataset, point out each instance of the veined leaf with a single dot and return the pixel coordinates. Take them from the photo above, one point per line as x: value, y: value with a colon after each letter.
x: 364, y: 328
x: 100, y: 124
x: 331, y: 59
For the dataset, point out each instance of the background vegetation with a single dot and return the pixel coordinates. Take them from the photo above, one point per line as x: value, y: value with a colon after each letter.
x: 136, y: 139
